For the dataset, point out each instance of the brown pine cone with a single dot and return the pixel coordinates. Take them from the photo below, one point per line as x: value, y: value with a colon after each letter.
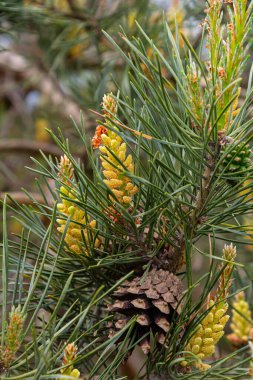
x: 154, y: 300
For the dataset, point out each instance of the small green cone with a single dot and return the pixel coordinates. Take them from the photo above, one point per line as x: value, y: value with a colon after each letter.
x: 236, y: 161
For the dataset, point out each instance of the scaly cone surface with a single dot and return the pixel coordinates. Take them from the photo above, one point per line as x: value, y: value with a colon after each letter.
x: 153, y: 300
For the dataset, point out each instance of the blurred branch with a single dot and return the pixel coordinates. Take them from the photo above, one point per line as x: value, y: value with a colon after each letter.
x: 42, y: 81
x: 104, y: 11
x: 27, y: 146
x: 21, y: 197
x: 34, y: 148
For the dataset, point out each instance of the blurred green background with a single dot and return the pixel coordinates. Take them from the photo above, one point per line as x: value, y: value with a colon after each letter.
x: 56, y: 61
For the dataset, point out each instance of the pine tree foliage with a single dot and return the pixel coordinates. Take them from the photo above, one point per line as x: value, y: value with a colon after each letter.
x: 65, y: 38
x: 116, y: 249
x: 55, y: 61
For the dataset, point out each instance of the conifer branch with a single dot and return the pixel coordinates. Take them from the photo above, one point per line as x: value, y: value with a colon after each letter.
x: 28, y: 147
x: 41, y: 80
x: 21, y: 198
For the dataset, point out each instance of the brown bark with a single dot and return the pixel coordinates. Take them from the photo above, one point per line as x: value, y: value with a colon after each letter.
x: 21, y: 197
x: 15, y: 63
x: 28, y: 146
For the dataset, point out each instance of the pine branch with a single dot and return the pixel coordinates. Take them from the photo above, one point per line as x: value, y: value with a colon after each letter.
x: 210, y: 162
x: 21, y: 198
x: 41, y: 80
x: 29, y: 147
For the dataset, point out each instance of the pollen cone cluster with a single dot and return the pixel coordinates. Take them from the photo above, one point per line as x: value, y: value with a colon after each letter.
x: 153, y: 300
x: 80, y: 230
x: 115, y: 161
x: 69, y: 356
x: 241, y: 323
x: 12, y: 341
x: 208, y: 333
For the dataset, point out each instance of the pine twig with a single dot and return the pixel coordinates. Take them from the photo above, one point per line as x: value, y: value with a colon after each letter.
x: 27, y: 146
x: 21, y: 197
x: 44, y: 82
x: 205, y: 187
x: 34, y: 148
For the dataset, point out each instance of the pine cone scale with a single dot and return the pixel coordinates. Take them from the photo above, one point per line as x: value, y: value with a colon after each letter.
x: 168, y: 297
x: 141, y: 303
x: 151, y: 293
x: 144, y: 320
x: 162, y: 306
x: 163, y: 323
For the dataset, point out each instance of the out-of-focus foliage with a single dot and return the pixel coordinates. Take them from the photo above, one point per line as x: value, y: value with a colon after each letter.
x: 55, y: 61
